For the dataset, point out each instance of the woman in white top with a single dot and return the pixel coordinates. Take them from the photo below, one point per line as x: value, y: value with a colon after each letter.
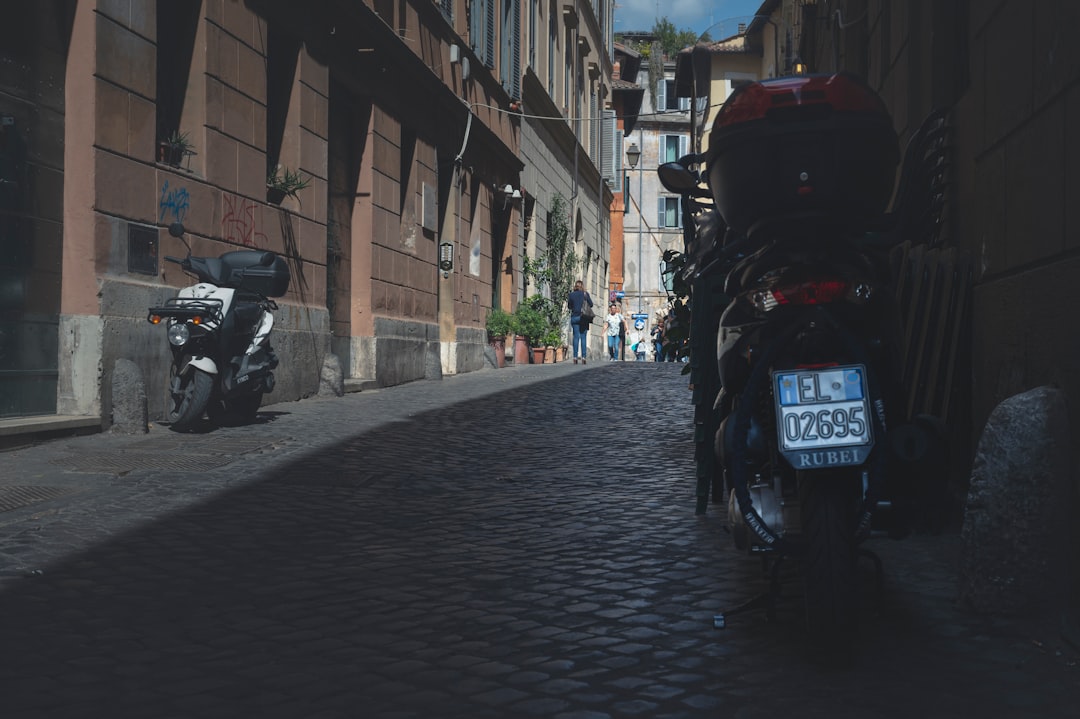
x: 613, y: 323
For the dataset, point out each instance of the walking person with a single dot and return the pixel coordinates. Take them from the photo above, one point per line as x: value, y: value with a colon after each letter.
x: 613, y: 324
x: 658, y: 341
x: 581, y: 316
x: 620, y: 353
x: 637, y: 341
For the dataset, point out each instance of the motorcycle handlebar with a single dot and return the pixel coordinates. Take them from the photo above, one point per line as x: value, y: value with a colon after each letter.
x: 177, y: 260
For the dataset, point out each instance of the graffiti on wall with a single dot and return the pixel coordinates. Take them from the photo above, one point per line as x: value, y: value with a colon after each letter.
x: 239, y: 221
x: 173, y: 204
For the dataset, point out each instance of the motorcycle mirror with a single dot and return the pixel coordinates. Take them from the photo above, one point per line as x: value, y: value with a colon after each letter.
x: 176, y: 229
x: 676, y: 178
x: 267, y: 259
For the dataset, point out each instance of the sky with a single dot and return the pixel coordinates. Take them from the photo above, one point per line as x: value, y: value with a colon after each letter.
x: 720, y: 17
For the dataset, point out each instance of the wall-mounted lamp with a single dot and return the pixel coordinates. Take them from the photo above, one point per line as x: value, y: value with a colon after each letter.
x: 509, y: 193
x: 446, y: 258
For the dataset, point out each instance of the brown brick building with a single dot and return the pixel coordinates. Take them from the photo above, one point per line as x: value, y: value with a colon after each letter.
x: 404, y: 117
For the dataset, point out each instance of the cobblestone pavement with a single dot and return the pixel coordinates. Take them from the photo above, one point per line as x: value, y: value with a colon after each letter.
x: 510, y: 543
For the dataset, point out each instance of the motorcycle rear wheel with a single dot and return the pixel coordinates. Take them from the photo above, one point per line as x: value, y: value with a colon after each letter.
x: 829, y: 564
x: 189, y: 400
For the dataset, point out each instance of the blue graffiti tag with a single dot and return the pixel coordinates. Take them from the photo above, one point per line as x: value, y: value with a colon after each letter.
x: 173, y: 201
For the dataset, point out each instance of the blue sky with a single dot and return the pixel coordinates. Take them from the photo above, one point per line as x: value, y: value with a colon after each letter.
x: 720, y: 17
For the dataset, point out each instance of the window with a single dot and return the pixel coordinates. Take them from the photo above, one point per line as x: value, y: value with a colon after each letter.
x: 482, y: 30
x: 510, y: 55
x: 447, y: 8
x: 611, y: 152
x: 177, y: 24
x: 553, y: 36
x: 670, y: 216
x: 568, y: 70
x: 666, y: 99
x: 672, y: 147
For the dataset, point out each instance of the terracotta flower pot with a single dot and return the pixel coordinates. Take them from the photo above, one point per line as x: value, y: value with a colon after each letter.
x: 521, y: 350
x: 499, y: 345
x: 538, y: 355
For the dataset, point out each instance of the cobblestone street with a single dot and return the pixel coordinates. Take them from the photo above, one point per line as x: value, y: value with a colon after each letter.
x: 509, y: 543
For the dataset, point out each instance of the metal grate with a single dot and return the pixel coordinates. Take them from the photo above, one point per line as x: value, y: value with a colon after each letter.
x: 182, y: 454
x: 16, y: 497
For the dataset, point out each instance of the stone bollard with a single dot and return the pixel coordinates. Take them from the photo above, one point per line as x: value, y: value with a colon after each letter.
x: 1015, y: 519
x: 331, y: 377
x: 129, y: 413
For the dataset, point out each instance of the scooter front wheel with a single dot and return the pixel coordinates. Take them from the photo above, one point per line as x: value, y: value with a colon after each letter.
x: 189, y: 395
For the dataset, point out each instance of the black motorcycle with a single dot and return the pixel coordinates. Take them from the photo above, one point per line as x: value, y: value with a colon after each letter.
x: 791, y: 234
x: 219, y: 334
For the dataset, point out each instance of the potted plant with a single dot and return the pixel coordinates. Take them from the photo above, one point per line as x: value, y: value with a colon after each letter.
x: 174, y: 148
x: 551, y: 341
x: 499, y: 325
x: 531, y: 324
x: 282, y: 183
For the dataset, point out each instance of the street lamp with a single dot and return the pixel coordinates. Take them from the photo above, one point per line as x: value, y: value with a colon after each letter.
x: 633, y: 154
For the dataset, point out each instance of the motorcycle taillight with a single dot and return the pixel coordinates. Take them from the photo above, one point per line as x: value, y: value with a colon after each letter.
x: 812, y: 292
x: 776, y: 97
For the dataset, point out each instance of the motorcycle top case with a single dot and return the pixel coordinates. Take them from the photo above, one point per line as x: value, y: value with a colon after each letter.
x: 241, y: 270
x: 803, y: 146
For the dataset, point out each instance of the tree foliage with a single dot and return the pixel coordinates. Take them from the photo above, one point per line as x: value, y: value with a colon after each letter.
x: 670, y: 39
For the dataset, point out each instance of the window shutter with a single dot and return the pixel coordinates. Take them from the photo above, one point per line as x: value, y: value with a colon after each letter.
x: 489, y: 33
x: 616, y: 151
x: 662, y: 213
x: 476, y: 27
x: 595, y: 123
x: 661, y: 94
x: 611, y: 149
x: 515, y: 84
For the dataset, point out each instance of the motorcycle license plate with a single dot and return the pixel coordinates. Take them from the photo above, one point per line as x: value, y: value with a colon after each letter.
x: 823, y: 416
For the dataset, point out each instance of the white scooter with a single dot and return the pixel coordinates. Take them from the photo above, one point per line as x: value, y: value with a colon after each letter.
x: 219, y: 332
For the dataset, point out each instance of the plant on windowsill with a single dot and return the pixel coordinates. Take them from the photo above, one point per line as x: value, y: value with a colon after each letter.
x: 175, y: 148
x: 282, y: 183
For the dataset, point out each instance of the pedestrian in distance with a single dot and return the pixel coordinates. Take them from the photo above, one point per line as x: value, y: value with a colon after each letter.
x: 637, y: 344
x: 613, y: 325
x: 620, y: 353
x: 577, y: 301
x: 658, y: 341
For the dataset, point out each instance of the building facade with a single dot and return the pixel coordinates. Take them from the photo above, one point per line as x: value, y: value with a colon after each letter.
x: 653, y: 222
x: 405, y: 119
x: 567, y: 132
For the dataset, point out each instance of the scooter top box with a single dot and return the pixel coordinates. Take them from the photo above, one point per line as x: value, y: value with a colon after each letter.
x: 808, y: 146
x: 242, y: 270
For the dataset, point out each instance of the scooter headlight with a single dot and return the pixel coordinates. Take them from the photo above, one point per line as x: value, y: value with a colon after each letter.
x: 179, y: 334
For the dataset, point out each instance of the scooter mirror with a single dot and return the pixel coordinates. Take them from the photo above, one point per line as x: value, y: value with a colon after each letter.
x: 676, y: 178
x: 267, y: 259
x: 176, y: 229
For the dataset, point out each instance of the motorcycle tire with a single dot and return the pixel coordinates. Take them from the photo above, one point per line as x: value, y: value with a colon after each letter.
x: 189, y: 401
x: 829, y: 563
